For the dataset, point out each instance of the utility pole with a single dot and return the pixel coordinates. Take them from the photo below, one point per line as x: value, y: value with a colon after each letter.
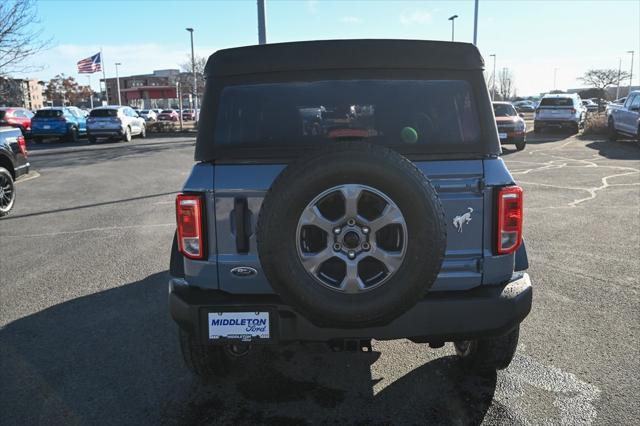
x: 619, y: 72
x: 631, y: 71
x: 195, y: 80
x: 493, y: 89
x: 118, y: 83
x: 262, y: 26
x: 475, y: 24
x: 453, y: 26
x: 104, y: 76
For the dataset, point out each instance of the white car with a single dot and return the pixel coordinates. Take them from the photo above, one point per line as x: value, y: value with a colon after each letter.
x: 564, y: 110
x: 148, y: 114
x: 115, y: 122
x: 625, y: 120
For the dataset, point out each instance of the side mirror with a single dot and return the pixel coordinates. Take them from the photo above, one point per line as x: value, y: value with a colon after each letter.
x: 521, y: 114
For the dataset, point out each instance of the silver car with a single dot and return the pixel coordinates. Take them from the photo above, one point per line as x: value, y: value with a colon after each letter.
x: 115, y: 122
x: 563, y: 110
x: 148, y: 114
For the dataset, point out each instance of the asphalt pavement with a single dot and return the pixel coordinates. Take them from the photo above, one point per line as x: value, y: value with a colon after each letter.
x: 86, y: 338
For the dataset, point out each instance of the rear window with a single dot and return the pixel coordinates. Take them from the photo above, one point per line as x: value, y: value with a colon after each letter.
x: 504, y: 110
x: 2, y: 113
x: 390, y: 112
x: 104, y: 113
x: 167, y: 111
x: 49, y: 113
x: 556, y: 102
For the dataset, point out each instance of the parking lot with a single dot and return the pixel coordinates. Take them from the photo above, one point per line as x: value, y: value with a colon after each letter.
x: 86, y: 337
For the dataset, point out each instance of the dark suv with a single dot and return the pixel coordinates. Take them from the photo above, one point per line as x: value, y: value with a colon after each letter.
x: 346, y: 191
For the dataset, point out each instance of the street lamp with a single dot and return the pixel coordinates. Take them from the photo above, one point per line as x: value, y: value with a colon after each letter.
x: 631, y: 71
x: 118, y: 83
x: 262, y: 26
x: 195, y: 78
x: 453, y: 25
x: 493, y: 89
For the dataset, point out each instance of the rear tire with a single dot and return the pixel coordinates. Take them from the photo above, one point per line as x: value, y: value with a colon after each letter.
x: 613, y: 135
x: 92, y: 139
x: 488, y: 355
x: 520, y: 145
x: 73, y: 135
x: 127, y: 135
x: 143, y: 132
x: 7, y: 192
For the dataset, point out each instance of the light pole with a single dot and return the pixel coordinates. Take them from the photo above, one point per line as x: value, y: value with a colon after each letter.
x: 475, y: 24
x: 195, y: 79
x: 118, y: 83
x: 453, y: 26
x: 262, y: 25
x: 493, y: 89
x: 90, y: 91
x: 619, y: 72
x: 631, y: 71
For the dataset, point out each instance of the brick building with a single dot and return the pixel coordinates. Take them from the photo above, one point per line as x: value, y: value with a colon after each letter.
x: 156, y: 90
x: 23, y: 93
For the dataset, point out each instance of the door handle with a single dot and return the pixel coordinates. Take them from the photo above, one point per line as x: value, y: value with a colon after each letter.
x: 243, y: 226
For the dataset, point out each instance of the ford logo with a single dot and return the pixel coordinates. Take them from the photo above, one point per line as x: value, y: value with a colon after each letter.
x: 244, y: 271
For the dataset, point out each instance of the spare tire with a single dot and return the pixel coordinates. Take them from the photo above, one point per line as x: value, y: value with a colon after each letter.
x: 352, y: 236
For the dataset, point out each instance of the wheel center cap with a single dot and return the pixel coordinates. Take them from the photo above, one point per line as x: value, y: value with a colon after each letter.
x: 351, y: 239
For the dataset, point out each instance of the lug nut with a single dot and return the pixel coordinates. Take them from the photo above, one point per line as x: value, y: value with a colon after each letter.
x: 352, y: 254
x: 365, y: 246
x: 351, y: 222
x: 337, y: 247
x: 337, y: 230
x: 365, y: 230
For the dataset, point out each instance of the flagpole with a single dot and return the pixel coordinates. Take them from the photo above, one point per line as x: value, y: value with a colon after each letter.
x: 104, y: 76
x: 90, y: 90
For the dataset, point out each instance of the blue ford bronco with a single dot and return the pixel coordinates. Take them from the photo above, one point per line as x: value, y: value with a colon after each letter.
x: 345, y: 191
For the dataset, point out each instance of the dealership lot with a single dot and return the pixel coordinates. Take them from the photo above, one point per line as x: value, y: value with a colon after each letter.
x: 85, y: 334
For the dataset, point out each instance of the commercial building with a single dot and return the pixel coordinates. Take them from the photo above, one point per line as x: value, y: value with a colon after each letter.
x: 25, y: 93
x: 156, y: 90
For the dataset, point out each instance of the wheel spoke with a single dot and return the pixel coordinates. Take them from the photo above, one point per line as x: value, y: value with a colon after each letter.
x: 313, y: 216
x: 351, y: 194
x: 390, y: 215
x: 312, y: 261
x: 391, y: 259
x: 352, y: 282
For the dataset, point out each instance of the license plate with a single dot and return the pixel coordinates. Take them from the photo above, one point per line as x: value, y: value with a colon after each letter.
x: 502, y: 135
x: 46, y: 126
x: 245, y: 326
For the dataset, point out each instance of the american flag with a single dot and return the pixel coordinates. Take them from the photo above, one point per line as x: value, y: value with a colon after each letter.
x: 90, y: 65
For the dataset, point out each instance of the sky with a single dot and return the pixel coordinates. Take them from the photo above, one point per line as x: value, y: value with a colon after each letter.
x: 531, y: 38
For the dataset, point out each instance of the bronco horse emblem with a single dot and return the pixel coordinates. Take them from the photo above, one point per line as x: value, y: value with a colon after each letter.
x: 462, y: 219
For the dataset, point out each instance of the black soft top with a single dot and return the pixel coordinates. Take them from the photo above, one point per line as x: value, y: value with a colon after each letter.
x: 344, y: 54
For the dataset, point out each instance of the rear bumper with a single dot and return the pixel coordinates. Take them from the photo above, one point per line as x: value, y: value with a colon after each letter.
x: 556, y: 123
x: 48, y: 133
x: 104, y: 132
x: 22, y: 170
x: 511, y: 139
x: 441, y: 316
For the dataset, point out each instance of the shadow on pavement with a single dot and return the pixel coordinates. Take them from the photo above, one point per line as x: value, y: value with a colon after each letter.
x: 85, y: 206
x: 618, y: 150
x: 112, y: 358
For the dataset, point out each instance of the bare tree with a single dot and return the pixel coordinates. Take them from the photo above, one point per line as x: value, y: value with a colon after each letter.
x: 601, y: 79
x: 20, y: 35
x: 186, y: 77
x: 65, y: 90
x: 505, y: 83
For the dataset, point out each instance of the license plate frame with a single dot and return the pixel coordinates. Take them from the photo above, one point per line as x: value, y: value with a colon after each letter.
x: 238, y: 313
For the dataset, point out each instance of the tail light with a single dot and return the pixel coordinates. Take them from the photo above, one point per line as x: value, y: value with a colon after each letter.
x: 189, y: 215
x: 510, y: 214
x: 573, y: 110
x: 22, y: 144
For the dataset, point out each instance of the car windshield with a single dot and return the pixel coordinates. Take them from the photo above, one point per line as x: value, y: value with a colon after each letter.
x: 144, y: 111
x: 104, y: 113
x: 49, y: 113
x: 167, y: 111
x: 556, y: 102
x: 504, y: 110
x: 389, y: 112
